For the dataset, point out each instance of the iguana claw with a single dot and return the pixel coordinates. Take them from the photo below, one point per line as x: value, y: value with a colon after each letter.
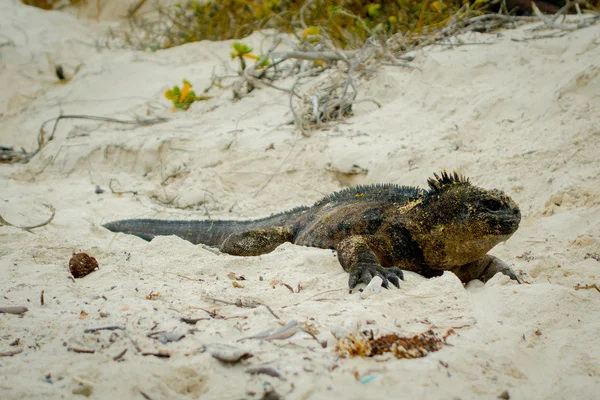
x: 364, y: 272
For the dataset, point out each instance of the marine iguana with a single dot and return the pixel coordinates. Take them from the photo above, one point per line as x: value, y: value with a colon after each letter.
x: 377, y: 230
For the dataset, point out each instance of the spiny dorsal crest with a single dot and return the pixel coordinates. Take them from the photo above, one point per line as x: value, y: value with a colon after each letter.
x: 444, y: 181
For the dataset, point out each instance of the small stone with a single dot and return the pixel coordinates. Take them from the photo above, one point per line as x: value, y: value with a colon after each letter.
x: 165, y: 338
x: 372, y: 288
x: 227, y: 353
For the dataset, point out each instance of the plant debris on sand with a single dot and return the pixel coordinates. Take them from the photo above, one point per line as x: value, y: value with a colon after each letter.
x: 366, y: 345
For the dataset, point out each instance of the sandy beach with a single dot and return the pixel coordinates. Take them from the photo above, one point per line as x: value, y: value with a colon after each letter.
x: 511, y: 113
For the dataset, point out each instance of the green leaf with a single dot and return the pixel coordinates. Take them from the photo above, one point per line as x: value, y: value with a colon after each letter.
x: 373, y: 10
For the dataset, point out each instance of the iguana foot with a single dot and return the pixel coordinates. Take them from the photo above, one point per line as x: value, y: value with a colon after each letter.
x: 254, y: 242
x: 497, y: 265
x: 484, y: 269
x: 364, y: 272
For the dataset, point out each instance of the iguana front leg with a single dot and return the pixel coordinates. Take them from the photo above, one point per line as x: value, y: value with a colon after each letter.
x: 357, y: 256
x: 254, y: 242
x: 484, y: 269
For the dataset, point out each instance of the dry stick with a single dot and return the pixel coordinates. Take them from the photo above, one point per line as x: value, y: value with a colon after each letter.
x: 121, y: 354
x: 592, y: 286
x: 159, y: 355
x: 192, y: 321
x: 299, y: 123
x: 535, y: 37
x: 581, y: 22
x: 135, y: 8
x: 11, y: 353
x: 302, y: 10
x: 262, y: 82
x: 28, y: 228
x: 548, y: 22
x: 144, y: 395
x: 563, y: 10
x: 313, y: 296
x: 142, y: 122
x: 134, y: 192
x: 247, y: 72
x: 240, y: 304
x: 41, y: 136
x: 469, y: 24
x: 183, y: 276
x: 134, y: 342
x: 262, y: 369
x: 318, y: 56
x: 104, y: 328
x: 83, y: 351
x: 271, y: 311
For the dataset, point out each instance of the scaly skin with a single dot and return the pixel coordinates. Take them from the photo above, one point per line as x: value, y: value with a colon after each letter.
x: 377, y: 230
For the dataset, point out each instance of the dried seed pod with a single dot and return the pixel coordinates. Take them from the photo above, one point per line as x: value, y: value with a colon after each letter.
x: 82, y: 264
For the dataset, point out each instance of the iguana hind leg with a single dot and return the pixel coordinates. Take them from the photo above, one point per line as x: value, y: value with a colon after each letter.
x: 484, y: 269
x: 254, y: 242
x: 358, y: 258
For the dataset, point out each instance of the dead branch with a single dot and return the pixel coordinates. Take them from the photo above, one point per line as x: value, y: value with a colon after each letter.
x: 135, y: 8
x: 113, y: 191
x: 121, y: 354
x: 139, y: 121
x: 81, y: 351
x: 550, y: 23
x: 251, y: 304
x: 317, y: 55
x: 8, y: 155
x: 28, y: 228
x: 104, y: 328
x: 11, y: 353
x: 587, y: 287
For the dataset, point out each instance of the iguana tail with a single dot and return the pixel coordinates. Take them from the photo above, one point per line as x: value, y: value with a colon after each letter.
x: 208, y: 232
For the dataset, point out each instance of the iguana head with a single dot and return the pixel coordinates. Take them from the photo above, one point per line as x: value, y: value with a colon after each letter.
x: 457, y: 222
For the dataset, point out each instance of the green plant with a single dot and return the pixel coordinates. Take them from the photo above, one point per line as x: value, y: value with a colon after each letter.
x: 347, y: 23
x: 242, y: 51
x: 182, y: 98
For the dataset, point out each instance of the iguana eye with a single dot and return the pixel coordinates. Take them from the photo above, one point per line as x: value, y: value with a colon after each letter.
x: 491, y: 205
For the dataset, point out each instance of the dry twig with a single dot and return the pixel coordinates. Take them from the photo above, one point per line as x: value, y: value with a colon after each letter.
x: 28, y: 228
x: 104, y: 328
x: 11, y: 353
x: 251, y: 304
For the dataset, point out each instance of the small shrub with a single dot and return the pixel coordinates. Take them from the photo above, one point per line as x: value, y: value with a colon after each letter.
x: 182, y: 98
x: 242, y: 51
x: 348, y: 23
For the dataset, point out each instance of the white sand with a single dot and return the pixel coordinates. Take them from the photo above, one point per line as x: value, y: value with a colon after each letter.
x: 523, y: 117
